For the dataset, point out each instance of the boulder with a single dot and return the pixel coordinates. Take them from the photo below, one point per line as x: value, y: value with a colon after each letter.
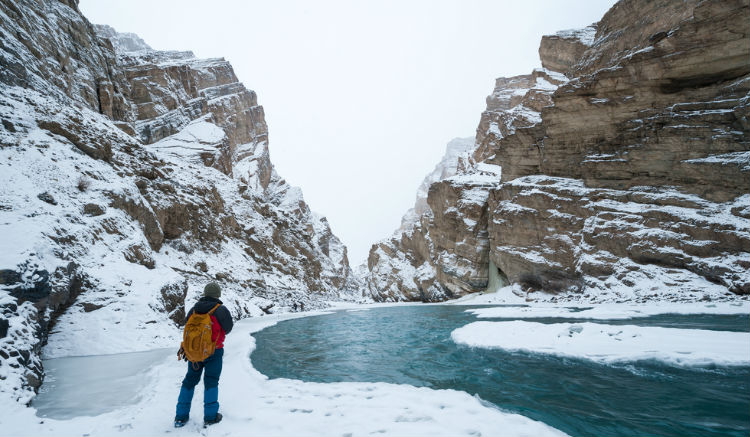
x: 47, y: 197
x: 93, y: 209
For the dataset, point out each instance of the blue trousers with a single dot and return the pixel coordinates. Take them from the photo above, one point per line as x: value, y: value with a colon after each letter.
x: 211, y: 387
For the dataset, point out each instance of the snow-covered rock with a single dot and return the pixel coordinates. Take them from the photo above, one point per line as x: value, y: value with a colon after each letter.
x: 556, y: 234
x: 129, y: 178
x: 516, y: 102
x: 562, y: 51
x: 621, y: 176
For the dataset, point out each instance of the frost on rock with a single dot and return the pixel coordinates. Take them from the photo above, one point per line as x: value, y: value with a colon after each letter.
x: 121, y: 196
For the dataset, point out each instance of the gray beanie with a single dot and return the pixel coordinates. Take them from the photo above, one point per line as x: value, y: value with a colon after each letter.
x: 212, y: 290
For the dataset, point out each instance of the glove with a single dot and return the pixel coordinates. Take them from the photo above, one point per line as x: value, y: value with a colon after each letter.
x: 181, y: 354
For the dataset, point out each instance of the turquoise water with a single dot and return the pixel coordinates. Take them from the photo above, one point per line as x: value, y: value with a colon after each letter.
x: 412, y: 345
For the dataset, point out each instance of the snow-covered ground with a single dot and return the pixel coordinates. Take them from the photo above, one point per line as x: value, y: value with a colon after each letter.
x: 611, y: 343
x: 507, y: 295
x: 254, y: 405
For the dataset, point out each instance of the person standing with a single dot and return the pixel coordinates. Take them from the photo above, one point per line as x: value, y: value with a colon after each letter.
x: 206, y: 326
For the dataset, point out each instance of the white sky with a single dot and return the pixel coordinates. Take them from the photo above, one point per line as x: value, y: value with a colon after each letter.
x: 360, y: 97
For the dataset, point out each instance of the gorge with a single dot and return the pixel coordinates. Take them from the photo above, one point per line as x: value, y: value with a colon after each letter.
x: 616, y: 173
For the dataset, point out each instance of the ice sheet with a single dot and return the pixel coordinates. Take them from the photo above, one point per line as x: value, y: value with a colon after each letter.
x: 611, y: 343
x: 96, y: 384
x: 612, y: 311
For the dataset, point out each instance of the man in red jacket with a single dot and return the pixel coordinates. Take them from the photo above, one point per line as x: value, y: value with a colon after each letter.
x: 221, y: 325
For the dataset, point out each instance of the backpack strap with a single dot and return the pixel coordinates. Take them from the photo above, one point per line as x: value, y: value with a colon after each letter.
x: 214, y: 309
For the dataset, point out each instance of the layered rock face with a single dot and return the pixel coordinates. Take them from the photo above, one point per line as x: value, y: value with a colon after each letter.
x: 563, y: 50
x: 654, y: 113
x: 130, y: 179
x: 625, y: 174
x: 516, y: 102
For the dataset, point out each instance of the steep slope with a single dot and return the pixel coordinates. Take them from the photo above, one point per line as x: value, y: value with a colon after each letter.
x: 456, y: 153
x: 625, y: 178
x: 130, y: 178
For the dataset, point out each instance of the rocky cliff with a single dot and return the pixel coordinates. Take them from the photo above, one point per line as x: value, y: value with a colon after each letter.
x: 130, y: 178
x: 456, y: 155
x: 619, y: 171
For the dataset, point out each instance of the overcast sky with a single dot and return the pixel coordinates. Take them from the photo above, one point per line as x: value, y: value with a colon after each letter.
x: 360, y: 97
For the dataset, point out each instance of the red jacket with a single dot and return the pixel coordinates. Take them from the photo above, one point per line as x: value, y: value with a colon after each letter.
x: 217, y: 332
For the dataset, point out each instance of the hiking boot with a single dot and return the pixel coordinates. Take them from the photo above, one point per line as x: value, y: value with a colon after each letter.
x: 180, y: 422
x: 213, y: 422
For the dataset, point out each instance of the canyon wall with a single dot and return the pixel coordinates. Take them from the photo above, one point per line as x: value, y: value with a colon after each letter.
x: 620, y: 171
x: 131, y: 178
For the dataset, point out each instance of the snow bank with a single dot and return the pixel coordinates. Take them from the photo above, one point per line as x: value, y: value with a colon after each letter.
x: 609, y: 343
x: 510, y: 294
x: 612, y: 311
x: 254, y: 405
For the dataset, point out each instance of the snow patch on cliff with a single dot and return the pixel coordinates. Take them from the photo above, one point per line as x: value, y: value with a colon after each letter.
x: 585, y: 35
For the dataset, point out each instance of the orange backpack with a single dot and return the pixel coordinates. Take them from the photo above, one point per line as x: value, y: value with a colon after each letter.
x: 196, y: 338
